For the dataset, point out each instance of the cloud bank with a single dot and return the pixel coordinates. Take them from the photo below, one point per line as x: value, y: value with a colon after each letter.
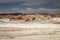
x: 33, y: 2
x: 31, y: 10
x: 43, y: 10
x: 30, y: 6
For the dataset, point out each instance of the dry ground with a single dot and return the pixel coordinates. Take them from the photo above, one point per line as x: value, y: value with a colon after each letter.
x: 29, y: 33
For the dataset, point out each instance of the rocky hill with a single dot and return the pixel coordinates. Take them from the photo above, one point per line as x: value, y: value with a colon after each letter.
x: 33, y: 17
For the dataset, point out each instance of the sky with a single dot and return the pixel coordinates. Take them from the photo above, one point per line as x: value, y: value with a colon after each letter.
x: 30, y: 6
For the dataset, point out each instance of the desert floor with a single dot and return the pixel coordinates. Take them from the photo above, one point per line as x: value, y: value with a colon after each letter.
x: 12, y: 33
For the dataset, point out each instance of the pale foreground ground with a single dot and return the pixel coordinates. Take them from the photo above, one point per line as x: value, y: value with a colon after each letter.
x: 18, y: 32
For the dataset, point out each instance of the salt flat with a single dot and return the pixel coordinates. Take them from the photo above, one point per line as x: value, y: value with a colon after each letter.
x: 30, y: 25
x: 29, y: 31
x: 13, y: 33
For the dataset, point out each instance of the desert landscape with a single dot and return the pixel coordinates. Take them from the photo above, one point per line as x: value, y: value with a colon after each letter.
x: 12, y: 33
x: 18, y: 26
x: 30, y: 18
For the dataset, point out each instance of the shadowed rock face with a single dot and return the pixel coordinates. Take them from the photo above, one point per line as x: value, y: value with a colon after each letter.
x: 42, y: 18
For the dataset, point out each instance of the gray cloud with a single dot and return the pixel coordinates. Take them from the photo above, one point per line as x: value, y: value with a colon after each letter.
x: 7, y: 1
x: 11, y: 10
x: 39, y: 2
x: 30, y: 3
x: 42, y: 10
x: 34, y: 2
x: 56, y: 2
x: 30, y: 10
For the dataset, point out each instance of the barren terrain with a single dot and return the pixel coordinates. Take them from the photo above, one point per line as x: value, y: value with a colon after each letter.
x: 30, y: 18
x: 29, y: 33
x: 29, y: 26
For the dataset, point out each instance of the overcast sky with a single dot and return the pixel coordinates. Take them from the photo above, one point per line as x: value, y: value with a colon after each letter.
x: 30, y: 6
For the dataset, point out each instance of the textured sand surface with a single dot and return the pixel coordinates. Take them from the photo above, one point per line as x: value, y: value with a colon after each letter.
x: 29, y: 33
